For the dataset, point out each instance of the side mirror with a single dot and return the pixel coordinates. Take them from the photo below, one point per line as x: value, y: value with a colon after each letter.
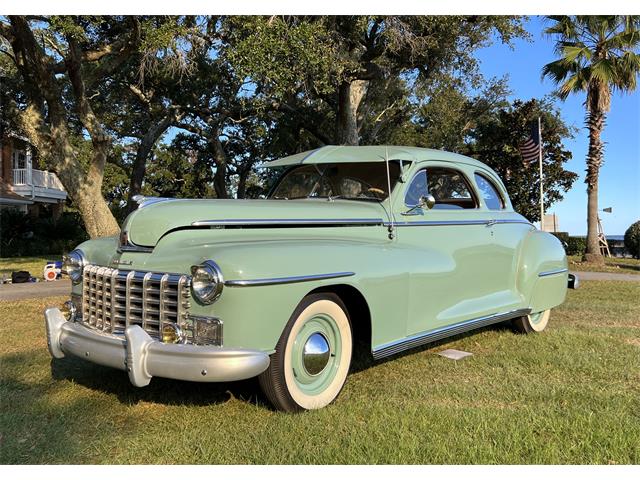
x: 427, y: 201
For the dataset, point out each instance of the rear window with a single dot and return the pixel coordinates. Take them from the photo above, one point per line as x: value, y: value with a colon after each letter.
x: 490, y: 193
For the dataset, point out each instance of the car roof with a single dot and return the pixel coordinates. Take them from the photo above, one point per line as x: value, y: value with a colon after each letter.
x: 371, y: 153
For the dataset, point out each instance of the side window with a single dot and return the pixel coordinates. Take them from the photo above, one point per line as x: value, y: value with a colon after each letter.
x: 417, y: 189
x: 490, y: 193
x: 450, y: 189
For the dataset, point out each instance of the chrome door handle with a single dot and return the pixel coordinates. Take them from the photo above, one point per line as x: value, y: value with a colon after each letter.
x: 491, y: 223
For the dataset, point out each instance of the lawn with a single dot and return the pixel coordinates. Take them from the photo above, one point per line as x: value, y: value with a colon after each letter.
x: 611, y: 265
x: 569, y: 395
x: 33, y: 265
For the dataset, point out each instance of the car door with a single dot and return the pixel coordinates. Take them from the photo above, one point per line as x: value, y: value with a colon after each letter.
x: 451, y: 275
x: 507, y: 231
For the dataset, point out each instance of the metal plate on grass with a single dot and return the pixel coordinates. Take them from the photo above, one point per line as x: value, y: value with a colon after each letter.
x: 454, y: 354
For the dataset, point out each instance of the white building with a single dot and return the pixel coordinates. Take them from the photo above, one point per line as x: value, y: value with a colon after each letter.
x: 33, y: 191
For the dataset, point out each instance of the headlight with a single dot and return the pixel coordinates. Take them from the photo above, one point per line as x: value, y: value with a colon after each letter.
x: 206, y: 282
x: 73, y: 264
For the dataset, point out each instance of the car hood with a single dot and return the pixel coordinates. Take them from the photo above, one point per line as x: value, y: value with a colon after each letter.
x: 145, y: 226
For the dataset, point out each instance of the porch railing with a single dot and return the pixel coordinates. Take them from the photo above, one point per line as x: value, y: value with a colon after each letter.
x: 36, y: 178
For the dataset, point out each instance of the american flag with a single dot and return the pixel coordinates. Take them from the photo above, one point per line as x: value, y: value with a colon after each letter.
x: 530, y: 148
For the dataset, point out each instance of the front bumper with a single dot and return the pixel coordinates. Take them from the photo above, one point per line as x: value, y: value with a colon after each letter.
x: 143, y: 357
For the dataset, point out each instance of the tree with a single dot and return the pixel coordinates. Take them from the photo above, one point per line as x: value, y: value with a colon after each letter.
x: 495, y: 138
x: 632, y: 239
x: 335, y: 74
x: 598, y: 55
x: 60, y: 65
x: 68, y: 68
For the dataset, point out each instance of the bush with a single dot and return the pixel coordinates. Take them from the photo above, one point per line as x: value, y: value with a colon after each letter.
x: 24, y: 236
x: 632, y: 240
x: 572, y: 245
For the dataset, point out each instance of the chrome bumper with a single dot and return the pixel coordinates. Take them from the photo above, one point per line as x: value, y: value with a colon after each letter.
x: 143, y: 357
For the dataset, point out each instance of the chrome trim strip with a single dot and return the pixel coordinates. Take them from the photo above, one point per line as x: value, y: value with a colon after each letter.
x: 145, y: 287
x: 442, y: 223
x: 416, y: 340
x: 439, y: 223
x: 127, y: 301
x: 553, y: 272
x: 287, y: 222
x: 134, y: 248
x: 284, y: 280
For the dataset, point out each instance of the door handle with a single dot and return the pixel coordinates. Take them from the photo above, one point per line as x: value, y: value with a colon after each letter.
x: 491, y: 223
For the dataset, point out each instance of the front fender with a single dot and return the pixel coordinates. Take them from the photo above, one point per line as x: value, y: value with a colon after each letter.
x: 254, y: 316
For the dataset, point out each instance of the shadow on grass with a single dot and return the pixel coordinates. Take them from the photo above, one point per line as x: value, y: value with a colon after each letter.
x: 160, y: 390
x: 363, y: 359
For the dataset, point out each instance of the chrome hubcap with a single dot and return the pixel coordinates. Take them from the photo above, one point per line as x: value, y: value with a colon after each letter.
x: 315, y: 354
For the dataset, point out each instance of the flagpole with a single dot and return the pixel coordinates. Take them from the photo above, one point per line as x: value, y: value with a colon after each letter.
x: 540, y: 167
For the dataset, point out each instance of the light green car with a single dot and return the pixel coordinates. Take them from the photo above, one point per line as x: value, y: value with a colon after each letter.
x: 281, y: 288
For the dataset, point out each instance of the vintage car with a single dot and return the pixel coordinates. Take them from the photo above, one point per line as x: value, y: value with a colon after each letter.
x: 394, y: 246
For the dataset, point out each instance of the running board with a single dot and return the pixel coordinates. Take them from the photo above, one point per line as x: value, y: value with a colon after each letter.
x: 449, y: 331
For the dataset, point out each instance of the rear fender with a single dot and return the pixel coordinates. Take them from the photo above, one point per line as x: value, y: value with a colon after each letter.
x: 542, y: 271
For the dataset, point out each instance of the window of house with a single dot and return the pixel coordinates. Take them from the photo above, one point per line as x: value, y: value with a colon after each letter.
x: 19, y: 159
x: 489, y: 192
x: 449, y: 187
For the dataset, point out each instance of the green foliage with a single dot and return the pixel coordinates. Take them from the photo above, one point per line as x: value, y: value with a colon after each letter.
x: 572, y: 245
x: 23, y: 235
x: 596, y: 52
x: 495, y: 141
x: 180, y: 171
x: 632, y: 239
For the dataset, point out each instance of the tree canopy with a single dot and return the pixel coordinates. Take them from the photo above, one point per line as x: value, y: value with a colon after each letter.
x: 188, y: 106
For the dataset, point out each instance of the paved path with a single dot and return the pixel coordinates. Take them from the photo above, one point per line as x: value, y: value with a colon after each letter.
x: 625, y: 277
x: 22, y: 291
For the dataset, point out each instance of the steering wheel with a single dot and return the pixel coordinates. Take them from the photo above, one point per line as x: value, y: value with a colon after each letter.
x: 378, y: 191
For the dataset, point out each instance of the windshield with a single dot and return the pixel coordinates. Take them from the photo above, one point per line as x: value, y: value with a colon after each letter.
x: 353, y: 181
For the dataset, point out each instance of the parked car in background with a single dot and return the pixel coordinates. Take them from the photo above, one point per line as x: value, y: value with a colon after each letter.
x: 398, y: 246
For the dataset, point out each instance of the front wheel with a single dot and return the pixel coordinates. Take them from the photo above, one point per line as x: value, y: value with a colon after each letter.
x: 312, y: 357
x: 534, y: 322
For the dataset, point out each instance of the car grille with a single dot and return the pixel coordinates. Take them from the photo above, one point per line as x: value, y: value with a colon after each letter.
x: 113, y: 299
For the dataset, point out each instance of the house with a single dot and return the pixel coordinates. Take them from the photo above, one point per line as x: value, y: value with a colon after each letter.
x: 37, y: 192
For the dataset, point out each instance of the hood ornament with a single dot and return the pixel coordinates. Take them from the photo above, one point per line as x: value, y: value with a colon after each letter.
x: 143, y: 201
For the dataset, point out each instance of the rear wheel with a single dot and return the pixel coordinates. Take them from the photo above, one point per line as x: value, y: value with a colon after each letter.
x: 312, y: 357
x: 532, y: 323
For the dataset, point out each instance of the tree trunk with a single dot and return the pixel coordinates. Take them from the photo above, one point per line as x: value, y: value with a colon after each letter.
x: 85, y: 189
x: 220, y: 177
x: 139, y: 169
x: 243, y: 174
x: 595, y: 122
x: 350, y: 94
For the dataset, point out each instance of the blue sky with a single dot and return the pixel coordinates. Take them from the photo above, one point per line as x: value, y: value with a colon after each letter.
x: 620, y: 174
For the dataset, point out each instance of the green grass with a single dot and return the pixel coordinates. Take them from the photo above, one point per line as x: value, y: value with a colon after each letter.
x: 33, y: 265
x: 612, y: 265
x: 569, y: 395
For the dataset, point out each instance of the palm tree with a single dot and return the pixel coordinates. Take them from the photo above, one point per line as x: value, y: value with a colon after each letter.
x: 597, y: 55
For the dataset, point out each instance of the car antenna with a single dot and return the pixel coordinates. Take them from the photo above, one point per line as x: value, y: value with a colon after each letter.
x: 386, y: 161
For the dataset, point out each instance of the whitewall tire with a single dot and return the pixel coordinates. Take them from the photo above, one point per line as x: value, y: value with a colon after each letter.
x: 312, y: 357
x: 532, y: 323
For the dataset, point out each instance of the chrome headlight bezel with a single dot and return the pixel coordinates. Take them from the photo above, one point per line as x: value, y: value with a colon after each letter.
x: 73, y: 264
x: 206, y: 282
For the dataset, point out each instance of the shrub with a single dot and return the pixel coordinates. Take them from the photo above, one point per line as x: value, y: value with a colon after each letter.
x: 632, y: 239
x: 24, y: 236
x: 576, y: 245
x: 572, y: 245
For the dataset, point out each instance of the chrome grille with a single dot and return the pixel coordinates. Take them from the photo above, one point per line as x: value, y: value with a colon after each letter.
x: 113, y: 299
